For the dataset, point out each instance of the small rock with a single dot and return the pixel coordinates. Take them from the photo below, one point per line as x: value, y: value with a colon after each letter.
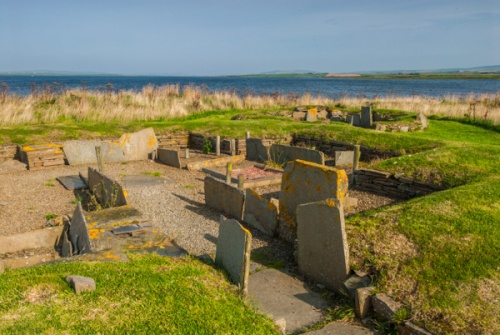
x: 385, y: 306
x: 354, y: 282
x: 363, y: 301
x: 81, y: 284
x: 281, y: 323
x: 409, y: 328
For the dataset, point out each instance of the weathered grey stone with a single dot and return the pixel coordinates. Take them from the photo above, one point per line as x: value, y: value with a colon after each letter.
x: 322, y: 114
x: 107, y: 191
x: 350, y: 202
x: 169, y: 157
x: 40, y: 238
x: 322, y: 252
x: 73, y: 182
x: 340, y: 328
x: 256, y: 151
x: 344, y: 157
x: 283, y: 297
x: 305, y: 182
x: 349, y: 119
x: 385, y: 306
x: 78, y: 232
x: 138, y: 145
x: 81, y: 152
x: 336, y: 118
x: 381, y: 127
x: 260, y: 213
x: 142, y: 180
x: 81, y: 284
x: 223, y: 197
x: 423, y: 120
x: 356, y: 120
x: 281, y: 154
x: 233, y: 251
x: 299, y: 115
x: 312, y: 115
x: 66, y: 246
x: 354, y: 282
x: 27, y: 261
x: 362, y: 300
x: 409, y: 328
x: 366, y: 119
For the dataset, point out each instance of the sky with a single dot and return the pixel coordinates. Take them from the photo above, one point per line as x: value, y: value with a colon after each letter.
x: 222, y: 37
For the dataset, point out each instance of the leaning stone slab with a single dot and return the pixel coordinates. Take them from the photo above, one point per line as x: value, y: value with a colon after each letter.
x: 409, y: 328
x: 138, y: 145
x: 305, y: 182
x: 285, y: 299
x: 107, y: 191
x: 78, y: 232
x: 323, y: 253
x: 385, y: 306
x: 344, y: 157
x: 284, y: 153
x: 256, y: 150
x: 41, y: 238
x: 260, y: 213
x: 223, y: 197
x: 169, y: 157
x: 81, y: 284
x: 233, y: 251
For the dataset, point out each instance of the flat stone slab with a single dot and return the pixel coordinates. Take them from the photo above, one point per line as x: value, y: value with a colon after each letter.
x: 72, y: 182
x: 339, y: 328
x: 135, y: 181
x: 23, y: 262
x: 41, y: 238
x: 283, y: 297
x: 117, y: 216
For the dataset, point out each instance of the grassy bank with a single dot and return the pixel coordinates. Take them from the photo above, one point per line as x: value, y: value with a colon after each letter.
x: 148, y: 295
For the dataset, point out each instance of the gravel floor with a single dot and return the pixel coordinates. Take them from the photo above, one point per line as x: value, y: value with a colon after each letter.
x: 175, y: 207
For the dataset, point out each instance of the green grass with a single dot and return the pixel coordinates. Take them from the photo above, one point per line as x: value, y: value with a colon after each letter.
x: 148, y: 295
x: 152, y: 173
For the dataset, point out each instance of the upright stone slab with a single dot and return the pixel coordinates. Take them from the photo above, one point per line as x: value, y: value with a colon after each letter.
x: 366, y: 120
x: 81, y: 152
x: 233, y: 251
x: 78, y: 232
x: 256, y: 150
x: 108, y: 192
x: 169, y: 157
x: 312, y: 115
x: 322, y: 253
x: 423, y: 120
x: 260, y: 213
x: 344, y: 157
x: 356, y: 120
x: 224, y: 197
x: 138, y: 145
x: 284, y: 153
x: 305, y: 182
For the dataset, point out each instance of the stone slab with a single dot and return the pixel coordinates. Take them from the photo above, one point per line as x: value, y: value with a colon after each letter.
x: 322, y: 250
x: 142, y: 180
x: 216, y: 162
x: 73, y: 182
x: 233, y: 251
x: 366, y: 119
x: 23, y: 262
x: 81, y: 284
x: 362, y: 300
x: 385, y: 306
x: 312, y: 115
x: 171, y: 250
x: 81, y: 152
x: 223, y: 197
x: 355, y: 282
x: 66, y: 246
x: 78, y: 232
x: 283, y: 297
x: 409, y: 328
x: 41, y: 238
x: 339, y: 328
x: 305, y: 182
x: 138, y: 145
x: 260, y: 213
x: 116, y: 216
x: 256, y: 150
x: 281, y: 154
x: 423, y: 120
x: 344, y: 157
x: 169, y: 157
x: 107, y: 191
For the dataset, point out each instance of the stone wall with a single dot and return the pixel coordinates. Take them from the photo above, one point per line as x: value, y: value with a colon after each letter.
x: 197, y: 142
x: 328, y: 147
x: 388, y: 184
x: 8, y: 152
x: 175, y: 141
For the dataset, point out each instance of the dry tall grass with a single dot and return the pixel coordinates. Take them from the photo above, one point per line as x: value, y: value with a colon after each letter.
x: 152, y: 103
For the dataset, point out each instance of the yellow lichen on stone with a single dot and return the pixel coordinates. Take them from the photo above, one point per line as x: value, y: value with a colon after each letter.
x: 152, y: 141
x: 271, y: 206
x: 94, y: 233
x: 330, y: 202
x: 313, y: 110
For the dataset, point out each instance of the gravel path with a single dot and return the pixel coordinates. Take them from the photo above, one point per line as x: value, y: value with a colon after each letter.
x: 175, y: 207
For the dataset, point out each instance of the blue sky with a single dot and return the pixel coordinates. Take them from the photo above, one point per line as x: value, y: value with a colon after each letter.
x: 194, y: 37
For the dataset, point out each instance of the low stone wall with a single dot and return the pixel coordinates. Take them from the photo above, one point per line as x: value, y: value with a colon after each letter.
x: 391, y: 185
x: 197, y: 142
x: 8, y: 152
x: 176, y: 141
x: 329, y: 147
x: 41, y: 156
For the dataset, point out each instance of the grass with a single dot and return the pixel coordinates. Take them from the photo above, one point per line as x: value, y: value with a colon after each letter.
x: 152, y: 173
x: 148, y: 295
